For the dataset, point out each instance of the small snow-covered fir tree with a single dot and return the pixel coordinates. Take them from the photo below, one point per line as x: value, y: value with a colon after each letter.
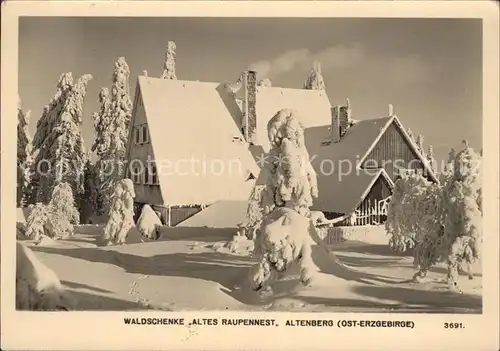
x: 420, y: 144
x: 24, y: 156
x: 58, y: 140
x: 169, y: 65
x: 410, y: 134
x: 431, y: 159
x: 63, y: 212
x: 266, y: 82
x: 56, y: 219
x: 284, y: 236
x: 37, y: 221
x: 315, y: 80
x: 112, y: 124
x: 443, y: 220
x: 121, y: 213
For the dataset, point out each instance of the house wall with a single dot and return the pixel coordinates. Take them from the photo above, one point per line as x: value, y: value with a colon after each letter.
x: 179, y: 214
x: 169, y: 216
x: 138, y: 154
x: 379, y: 191
x: 392, y: 152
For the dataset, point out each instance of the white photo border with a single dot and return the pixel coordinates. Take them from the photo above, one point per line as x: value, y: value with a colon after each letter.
x: 106, y: 330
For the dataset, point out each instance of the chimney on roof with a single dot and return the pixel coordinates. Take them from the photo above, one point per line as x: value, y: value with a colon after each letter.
x: 249, y: 80
x: 345, y: 117
x: 335, y: 127
x: 391, y: 110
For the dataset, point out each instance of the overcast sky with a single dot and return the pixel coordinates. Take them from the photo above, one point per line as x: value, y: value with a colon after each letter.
x: 429, y: 69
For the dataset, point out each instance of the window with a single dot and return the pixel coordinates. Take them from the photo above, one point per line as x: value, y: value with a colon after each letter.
x: 146, y: 175
x: 137, y: 136
x: 135, y: 175
x: 141, y: 134
x: 154, y: 174
x: 144, y: 133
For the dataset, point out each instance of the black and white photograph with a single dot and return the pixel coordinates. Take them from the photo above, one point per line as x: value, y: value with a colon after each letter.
x: 178, y: 164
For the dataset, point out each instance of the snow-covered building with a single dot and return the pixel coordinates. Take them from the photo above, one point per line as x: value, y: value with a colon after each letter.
x: 357, y: 163
x: 193, y: 144
x: 206, y: 139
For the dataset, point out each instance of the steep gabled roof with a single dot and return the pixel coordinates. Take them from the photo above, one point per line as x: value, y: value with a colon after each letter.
x: 353, y: 145
x: 189, y: 124
x: 346, y: 194
x: 394, y: 119
x: 312, y: 107
x: 341, y: 182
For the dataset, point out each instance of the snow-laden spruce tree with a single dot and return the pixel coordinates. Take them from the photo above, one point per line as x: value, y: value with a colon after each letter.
x: 121, y: 213
x: 315, y: 80
x: 24, y: 156
x: 431, y: 159
x: 169, y: 65
x: 443, y: 220
x: 284, y: 235
x: 58, y: 140
x: 111, y: 125
x: 102, y: 122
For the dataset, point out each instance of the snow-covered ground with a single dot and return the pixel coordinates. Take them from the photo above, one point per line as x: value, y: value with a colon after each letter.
x: 199, y: 273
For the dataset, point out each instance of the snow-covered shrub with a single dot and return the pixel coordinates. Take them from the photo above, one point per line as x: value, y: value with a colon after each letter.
x: 56, y: 219
x: 266, y: 82
x: 121, y: 213
x: 63, y: 212
x: 37, y: 287
x: 284, y: 239
x: 442, y: 220
x: 284, y: 235
x: 37, y: 221
x: 148, y: 222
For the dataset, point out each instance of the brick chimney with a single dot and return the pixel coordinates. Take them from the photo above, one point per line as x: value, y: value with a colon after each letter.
x: 345, y: 118
x: 335, y: 127
x: 249, y: 110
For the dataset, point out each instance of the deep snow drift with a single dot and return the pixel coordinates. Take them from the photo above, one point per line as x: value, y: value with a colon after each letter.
x: 200, y: 272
